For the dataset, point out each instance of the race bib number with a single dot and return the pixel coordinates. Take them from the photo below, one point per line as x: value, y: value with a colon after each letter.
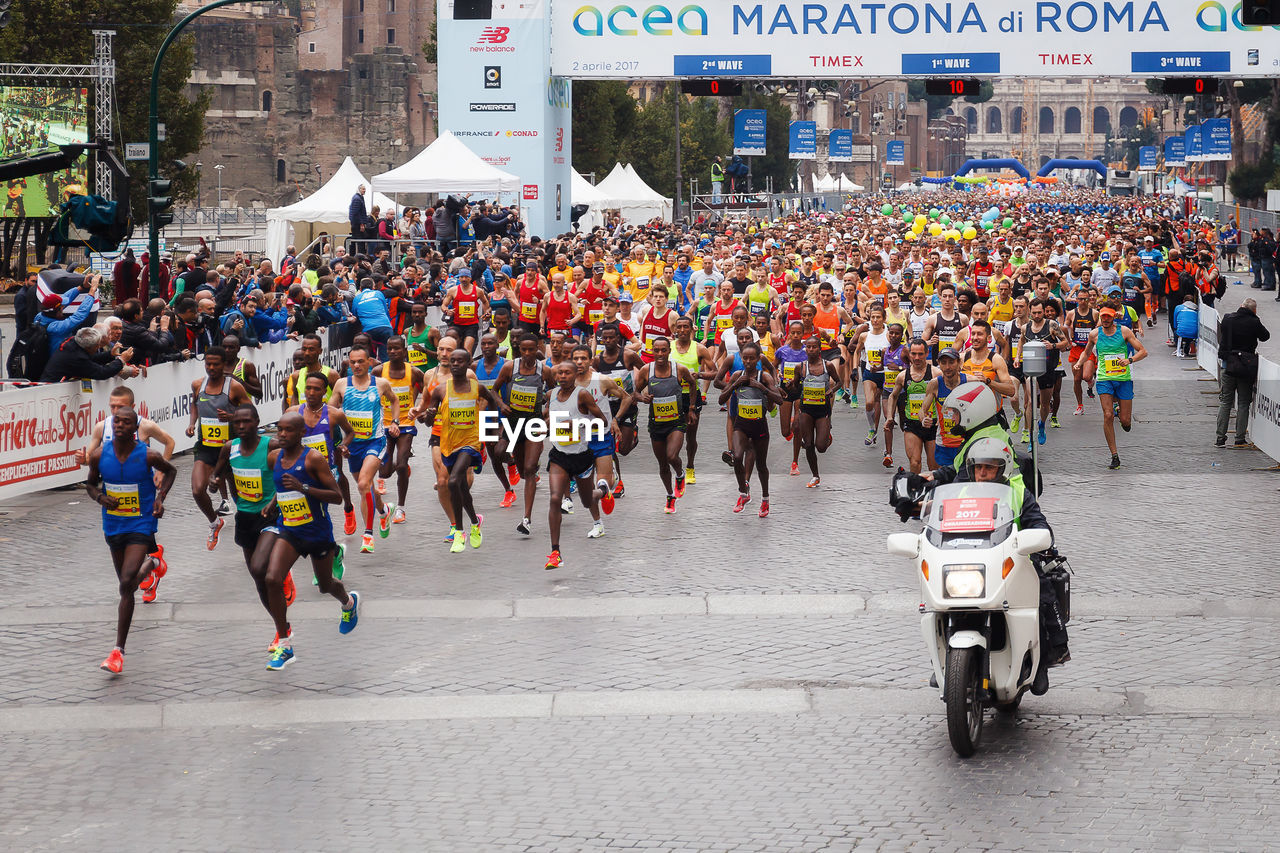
x: 522, y: 400
x: 466, y: 310
x: 1111, y: 368
x: 404, y: 397
x: 417, y: 357
x: 248, y: 483
x: 361, y: 425
x: 875, y: 359
x: 723, y: 321
x: 318, y: 442
x: 529, y: 312
x: 752, y: 410
x: 462, y: 414
x: 1081, y: 335
x: 666, y: 409
x: 648, y: 346
x: 891, y: 376
x: 128, y: 504
x: 214, y: 433
x: 295, y: 508
x: 789, y: 371
x: 968, y: 515
x: 815, y: 392
x: 944, y: 343
x: 642, y: 282
x: 595, y: 315
x: 915, y: 406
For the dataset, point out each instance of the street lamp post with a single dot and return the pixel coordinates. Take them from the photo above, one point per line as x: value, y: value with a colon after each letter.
x: 218, y: 213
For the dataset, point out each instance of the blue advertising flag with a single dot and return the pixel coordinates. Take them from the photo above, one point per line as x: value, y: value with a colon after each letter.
x: 748, y: 132
x: 1195, y: 144
x: 1175, y: 151
x: 895, y: 153
x: 1217, y: 138
x: 1147, y: 157
x: 803, y: 139
x: 840, y: 146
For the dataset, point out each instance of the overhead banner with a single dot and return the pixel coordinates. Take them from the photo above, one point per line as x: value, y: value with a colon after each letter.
x: 1216, y: 136
x: 1147, y: 157
x: 840, y: 146
x: 503, y: 103
x: 1090, y: 38
x: 1175, y: 151
x: 803, y: 141
x: 895, y: 153
x: 748, y: 132
x: 1195, y: 144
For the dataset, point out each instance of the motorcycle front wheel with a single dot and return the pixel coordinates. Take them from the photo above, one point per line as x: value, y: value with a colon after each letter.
x: 963, y: 696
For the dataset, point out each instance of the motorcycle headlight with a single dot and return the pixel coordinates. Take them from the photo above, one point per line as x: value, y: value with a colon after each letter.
x: 964, y: 580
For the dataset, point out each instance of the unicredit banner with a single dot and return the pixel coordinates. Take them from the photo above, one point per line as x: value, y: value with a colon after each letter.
x: 626, y: 40
x: 498, y: 96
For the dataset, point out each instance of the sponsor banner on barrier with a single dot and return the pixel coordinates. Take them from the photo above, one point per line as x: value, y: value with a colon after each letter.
x: 1207, y: 340
x: 1264, y: 426
x: 41, y: 427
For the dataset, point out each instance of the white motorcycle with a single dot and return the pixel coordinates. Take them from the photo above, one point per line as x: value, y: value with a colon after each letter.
x: 980, y: 598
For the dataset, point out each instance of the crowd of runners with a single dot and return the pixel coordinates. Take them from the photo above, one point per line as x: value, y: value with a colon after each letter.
x: 584, y: 344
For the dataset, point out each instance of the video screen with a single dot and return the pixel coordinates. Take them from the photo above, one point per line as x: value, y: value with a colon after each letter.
x: 34, y: 120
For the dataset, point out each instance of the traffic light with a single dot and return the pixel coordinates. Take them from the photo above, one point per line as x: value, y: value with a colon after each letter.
x: 4, y: 12
x: 1258, y: 13
x: 159, y: 203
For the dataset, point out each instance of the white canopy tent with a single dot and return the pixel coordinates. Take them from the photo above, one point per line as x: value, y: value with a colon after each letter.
x: 825, y: 184
x: 623, y: 189
x: 324, y: 210
x: 583, y: 192
x: 844, y: 185
x: 446, y: 166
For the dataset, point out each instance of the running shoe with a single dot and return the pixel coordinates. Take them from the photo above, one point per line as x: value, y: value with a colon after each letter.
x: 351, y: 616
x: 508, y: 499
x: 841, y: 394
x: 397, y: 517
x: 1169, y: 342
x: 366, y: 543
x: 1220, y: 441
x: 688, y: 476
x: 566, y: 505
x: 870, y: 440
x: 607, y: 502
x: 553, y: 560
x: 381, y: 487
x: 448, y: 537
x: 743, y: 500
x: 679, y: 487
x: 281, y: 656
x: 513, y: 474
x: 339, y: 562
x: 1089, y: 390
x: 671, y: 505
x: 1054, y: 422
x: 764, y: 508
x: 523, y: 527
x: 114, y: 663
x: 1026, y: 436
x: 724, y: 408
x: 275, y: 641
x: 619, y: 491
x: 1040, y: 434
x: 1126, y: 426
x: 727, y: 458
x: 384, y: 520
x: 290, y: 590
x: 459, y: 543
x: 224, y: 508
x: 349, y: 521
x: 1017, y: 422
x: 795, y: 469
x: 215, y: 527
x: 1115, y: 462
x: 150, y: 585
x: 476, y: 536
x: 887, y: 461
x: 1079, y: 410
x: 573, y: 485
x: 814, y: 483
x: 853, y: 401
x: 1242, y: 443
x: 596, y: 531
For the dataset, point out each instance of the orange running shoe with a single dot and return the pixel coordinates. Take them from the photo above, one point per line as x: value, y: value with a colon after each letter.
x: 114, y: 663
x: 513, y: 474
x: 679, y: 487
x: 764, y: 508
x: 619, y: 490
x: 290, y: 591
x: 508, y: 499
x: 553, y: 560
x: 276, y: 640
x: 671, y: 506
x: 607, y: 502
x: 215, y: 527
x: 381, y: 487
x: 153, y: 577
x: 795, y: 469
x: 349, y: 521
x: 743, y: 500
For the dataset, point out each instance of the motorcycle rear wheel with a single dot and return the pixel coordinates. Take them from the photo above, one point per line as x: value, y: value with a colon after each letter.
x: 963, y: 696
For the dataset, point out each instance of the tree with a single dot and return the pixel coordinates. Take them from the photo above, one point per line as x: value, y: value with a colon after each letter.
x: 775, y: 164
x: 604, y: 117
x: 1248, y: 181
x: 61, y: 31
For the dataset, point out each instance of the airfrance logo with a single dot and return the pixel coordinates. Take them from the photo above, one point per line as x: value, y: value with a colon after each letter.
x: 656, y: 21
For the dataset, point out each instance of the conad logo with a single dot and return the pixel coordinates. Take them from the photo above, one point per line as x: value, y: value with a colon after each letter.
x: 656, y: 21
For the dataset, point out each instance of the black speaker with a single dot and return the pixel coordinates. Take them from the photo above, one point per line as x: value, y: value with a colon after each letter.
x: 472, y: 10
x: 1258, y: 13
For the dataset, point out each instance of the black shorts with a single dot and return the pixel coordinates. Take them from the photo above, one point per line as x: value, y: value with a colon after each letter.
x: 119, y: 541
x: 686, y: 402
x: 461, y: 333
x: 831, y: 355
x: 816, y: 412
x: 307, y: 547
x: 916, y: 429
x: 249, y: 526
x: 576, y: 465
x: 627, y: 421
x: 207, y: 455
x: 658, y: 431
x: 529, y: 328
x: 753, y: 428
x: 1048, y: 380
x: 1017, y: 374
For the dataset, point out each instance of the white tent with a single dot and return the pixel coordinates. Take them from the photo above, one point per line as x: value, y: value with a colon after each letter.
x: 583, y: 192
x: 825, y: 184
x: 844, y: 185
x: 446, y: 166
x: 623, y: 189
x: 323, y: 210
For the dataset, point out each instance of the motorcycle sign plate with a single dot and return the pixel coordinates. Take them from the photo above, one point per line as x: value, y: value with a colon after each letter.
x: 968, y: 515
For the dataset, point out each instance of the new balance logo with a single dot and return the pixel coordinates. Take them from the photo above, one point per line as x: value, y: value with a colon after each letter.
x: 493, y: 35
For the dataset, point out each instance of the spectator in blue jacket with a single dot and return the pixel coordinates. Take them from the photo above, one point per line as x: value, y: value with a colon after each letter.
x: 58, y: 326
x: 356, y: 212
x: 373, y: 312
x: 1186, y: 324
x: 239, y: 322
x: 270, y: 320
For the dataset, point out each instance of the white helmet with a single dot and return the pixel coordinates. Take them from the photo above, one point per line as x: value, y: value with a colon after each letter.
x: 969, y: 406
x: 990, y: 451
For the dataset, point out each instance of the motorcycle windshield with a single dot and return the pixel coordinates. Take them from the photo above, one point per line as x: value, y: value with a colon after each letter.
x: 969, y: 515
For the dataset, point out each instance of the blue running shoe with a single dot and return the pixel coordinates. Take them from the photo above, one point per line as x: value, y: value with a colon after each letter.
x: 281, y: 656
x: 350, y: 617
x: 1040, y: 436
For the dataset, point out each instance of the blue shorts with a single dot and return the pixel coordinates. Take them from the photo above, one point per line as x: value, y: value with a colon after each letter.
x: 405, y: 430
x: 944, y: 455
x: 1119, y: 389
x: 360, y: 450
x: 452, y: 459
x: 602, y: 448
x: 874, y: 377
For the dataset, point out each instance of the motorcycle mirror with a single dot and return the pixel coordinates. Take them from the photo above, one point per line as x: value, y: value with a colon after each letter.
x: 907, y: 545
x: 1032, y: 541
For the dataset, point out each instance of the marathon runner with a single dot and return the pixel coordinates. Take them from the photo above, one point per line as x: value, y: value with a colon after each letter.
x: 749, y: 390
x: 570, y: 411
x: 213, y: 398
x: 907, y: 405
x: 1116, y: 348
x: 659, y: 387
x: 811, y: 387
x: 407, y: 388
x: 360, y: 397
